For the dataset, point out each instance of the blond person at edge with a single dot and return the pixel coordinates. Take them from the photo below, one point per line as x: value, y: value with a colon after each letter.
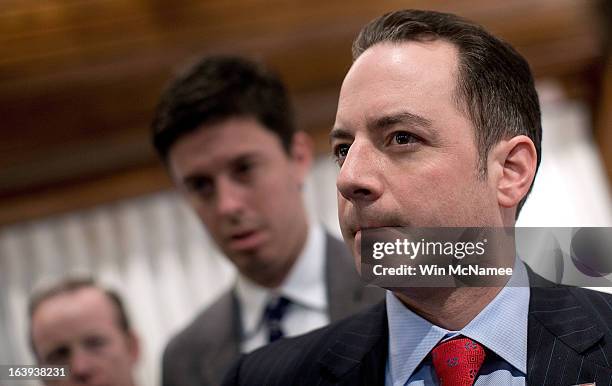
x: 78, y: 324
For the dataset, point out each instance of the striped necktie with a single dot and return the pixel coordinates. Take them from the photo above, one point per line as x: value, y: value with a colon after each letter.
x: 273, y: 315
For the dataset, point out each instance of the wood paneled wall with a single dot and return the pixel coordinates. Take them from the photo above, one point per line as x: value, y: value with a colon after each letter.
x: 79, y: 78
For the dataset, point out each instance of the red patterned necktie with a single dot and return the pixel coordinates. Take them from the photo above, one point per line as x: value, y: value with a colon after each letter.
x: 457, y: 361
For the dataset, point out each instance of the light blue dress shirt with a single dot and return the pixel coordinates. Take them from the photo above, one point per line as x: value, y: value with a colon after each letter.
x: 501, y: 327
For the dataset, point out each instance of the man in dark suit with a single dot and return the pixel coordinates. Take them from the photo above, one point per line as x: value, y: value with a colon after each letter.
x: 226, y: 132
x: 438, y: 125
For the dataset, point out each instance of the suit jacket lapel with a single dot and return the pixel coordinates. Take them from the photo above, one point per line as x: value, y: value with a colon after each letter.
x: 564, y: 340
x: 359, y: 355
x: 224, y: 345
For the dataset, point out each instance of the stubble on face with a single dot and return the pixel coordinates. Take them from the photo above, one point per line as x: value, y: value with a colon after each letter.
x: 419, y: 171
x: 410, y: 157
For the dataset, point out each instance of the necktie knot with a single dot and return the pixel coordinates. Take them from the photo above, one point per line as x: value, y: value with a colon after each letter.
x: 273, y: 314
x: 457, y: 361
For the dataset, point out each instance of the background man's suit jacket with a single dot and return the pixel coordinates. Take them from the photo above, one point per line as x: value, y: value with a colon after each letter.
x: 202, y: 353
x: 569, y: 342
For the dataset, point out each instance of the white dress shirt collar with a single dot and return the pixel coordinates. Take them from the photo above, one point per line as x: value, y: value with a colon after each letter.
x: 501, y: 327
x: 305, y: 284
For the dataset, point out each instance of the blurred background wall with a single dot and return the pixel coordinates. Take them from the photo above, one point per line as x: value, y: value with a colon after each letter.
x: 81, y: 190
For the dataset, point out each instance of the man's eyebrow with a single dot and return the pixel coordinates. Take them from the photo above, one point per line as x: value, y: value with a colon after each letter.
x: 339, y: 133
x: 194, y: 177
x: 403, y: 117
x: 197, y: 175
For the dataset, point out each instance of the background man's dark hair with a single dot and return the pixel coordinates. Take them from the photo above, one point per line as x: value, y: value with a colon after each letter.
x: 73, y: 285
x: 218, y: 88
x: 495, y: 87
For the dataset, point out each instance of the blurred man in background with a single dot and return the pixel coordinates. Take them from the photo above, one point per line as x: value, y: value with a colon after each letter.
x: 78, y: 324
x: 227, y: 134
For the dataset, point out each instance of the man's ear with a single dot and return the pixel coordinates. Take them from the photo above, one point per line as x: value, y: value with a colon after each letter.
x: 133, y: 346
x: 302, y: 148
x: 514, y: 164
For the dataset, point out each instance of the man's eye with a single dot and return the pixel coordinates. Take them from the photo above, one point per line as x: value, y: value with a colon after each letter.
x: 404, y: 138
x: 243, y: 168
x: 203, y: 186
x: 58, y: 356
x: 94, y: 343
x: 341, y: 151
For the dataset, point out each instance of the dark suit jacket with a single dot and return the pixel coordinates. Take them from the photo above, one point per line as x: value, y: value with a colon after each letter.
x: 202, y: 353
x: 569, y: 342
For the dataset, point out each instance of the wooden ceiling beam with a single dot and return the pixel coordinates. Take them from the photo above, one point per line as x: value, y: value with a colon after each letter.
x: 79, y: 79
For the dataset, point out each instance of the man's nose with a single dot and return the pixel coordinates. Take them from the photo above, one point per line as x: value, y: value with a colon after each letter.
x: 81, y: 366
x: 230, y: 197
x: 359, y: 177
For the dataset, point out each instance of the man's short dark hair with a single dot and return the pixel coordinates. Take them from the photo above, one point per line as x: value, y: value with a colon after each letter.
x: 495, y: 86
x: 72, y: 285
x: 219, y: 88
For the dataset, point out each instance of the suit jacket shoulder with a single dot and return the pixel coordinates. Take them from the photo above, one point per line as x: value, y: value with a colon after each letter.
x: 352, y: 351
x: 202, y: 352
x: 346, y: 292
